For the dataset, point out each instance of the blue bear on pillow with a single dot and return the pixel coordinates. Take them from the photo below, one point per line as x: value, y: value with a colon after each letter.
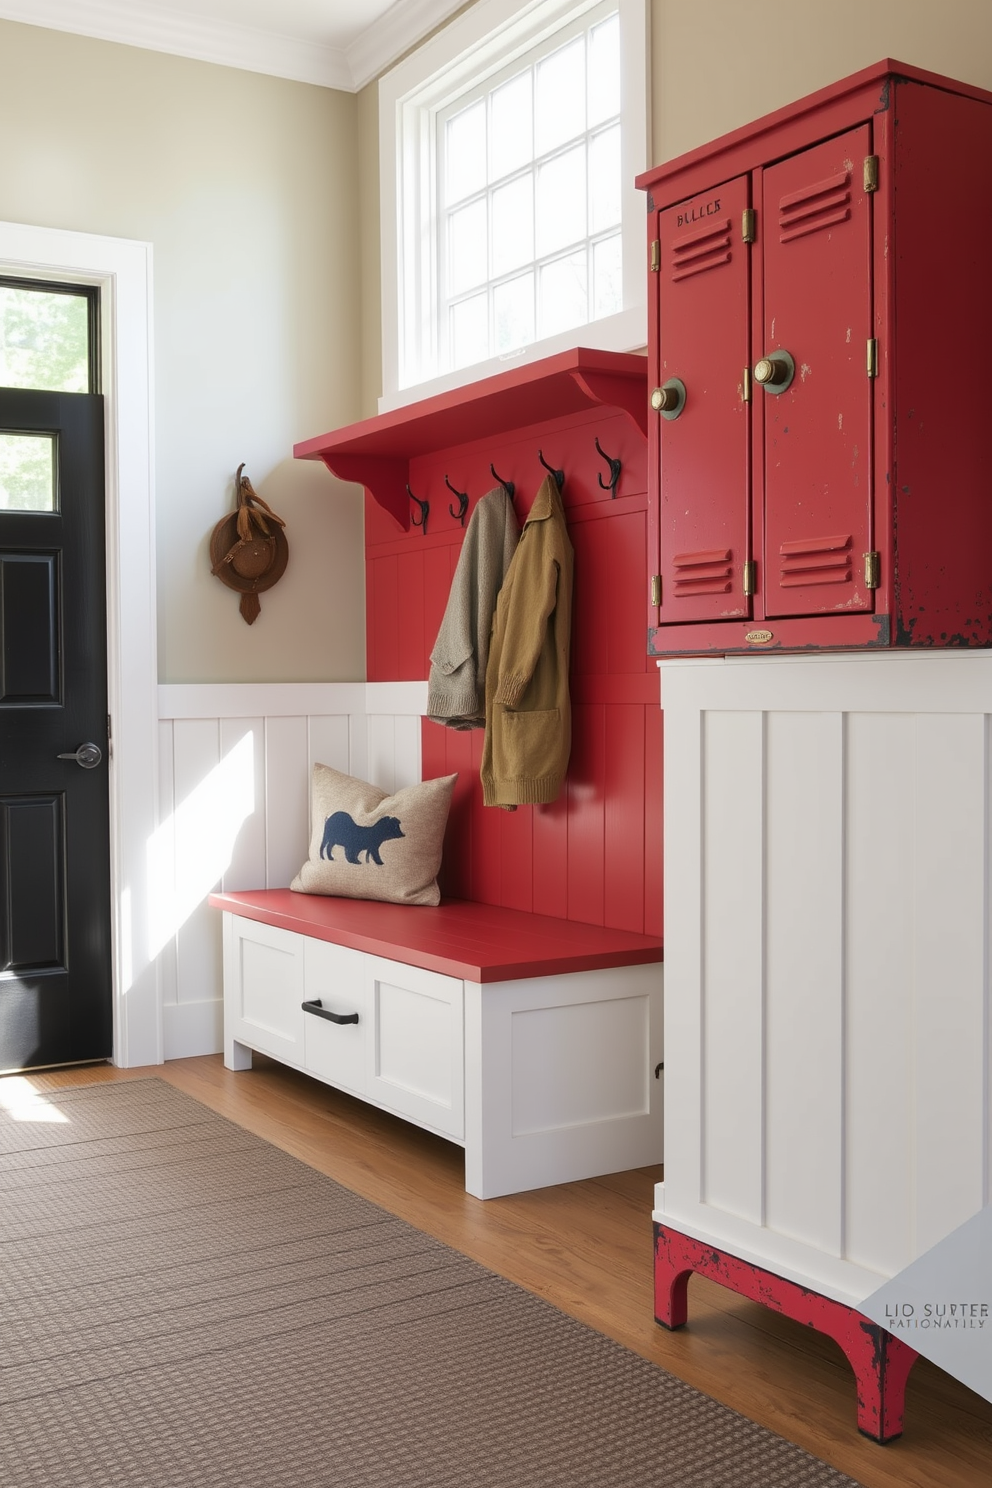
x: 342, y: 829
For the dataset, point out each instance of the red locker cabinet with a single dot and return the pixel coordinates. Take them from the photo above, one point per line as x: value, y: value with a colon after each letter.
x: 819, y: 338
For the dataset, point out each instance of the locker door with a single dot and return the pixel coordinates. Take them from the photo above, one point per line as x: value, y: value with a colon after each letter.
x: 704, y: 524
x: 815, y: 229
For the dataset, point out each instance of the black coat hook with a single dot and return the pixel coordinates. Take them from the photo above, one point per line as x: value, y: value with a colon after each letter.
x: 508, y: 486
x: 424, y: 506
x: 615, y: 467
x: 462, y: 502
x: 559, y: 475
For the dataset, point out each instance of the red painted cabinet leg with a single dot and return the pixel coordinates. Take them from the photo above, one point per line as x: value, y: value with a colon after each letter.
x: 881, y: 1367
x: 880, y: 1362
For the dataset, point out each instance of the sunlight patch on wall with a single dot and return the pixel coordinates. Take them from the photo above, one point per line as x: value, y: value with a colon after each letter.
x: 189, y: 852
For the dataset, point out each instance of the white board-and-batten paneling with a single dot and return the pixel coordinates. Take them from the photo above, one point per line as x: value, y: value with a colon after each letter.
x: 827, y: 958
x: 234, y: 787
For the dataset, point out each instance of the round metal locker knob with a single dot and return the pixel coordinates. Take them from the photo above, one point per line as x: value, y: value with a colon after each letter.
x: 669, y: 399
x: 775, y: 371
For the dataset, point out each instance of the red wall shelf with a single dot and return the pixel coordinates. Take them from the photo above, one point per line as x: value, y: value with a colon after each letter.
x: 377, y: 452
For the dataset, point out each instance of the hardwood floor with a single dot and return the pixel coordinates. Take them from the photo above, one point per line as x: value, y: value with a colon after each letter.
x: 586, y: 1247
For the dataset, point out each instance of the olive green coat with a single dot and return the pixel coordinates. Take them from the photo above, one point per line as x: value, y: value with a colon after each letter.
x: 528, y: 719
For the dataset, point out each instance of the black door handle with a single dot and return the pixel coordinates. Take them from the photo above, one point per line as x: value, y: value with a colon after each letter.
x: 319, y: 1011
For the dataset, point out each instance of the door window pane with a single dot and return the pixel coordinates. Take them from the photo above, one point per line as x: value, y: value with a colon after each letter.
x: 27, y: 472
x: 44, y: 339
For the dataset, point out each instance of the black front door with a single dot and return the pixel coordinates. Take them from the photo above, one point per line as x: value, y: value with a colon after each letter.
x: 55, y: 941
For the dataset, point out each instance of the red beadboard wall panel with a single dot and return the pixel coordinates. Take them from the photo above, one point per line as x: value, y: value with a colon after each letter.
x: 594, y: 855
x: 623, y: 806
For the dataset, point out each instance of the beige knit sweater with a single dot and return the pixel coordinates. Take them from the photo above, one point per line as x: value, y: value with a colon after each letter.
x: 457, y: 681
x: 528, y: 717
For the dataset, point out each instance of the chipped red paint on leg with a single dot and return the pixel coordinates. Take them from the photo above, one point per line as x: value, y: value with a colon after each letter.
x: 671, y: 1283
x: 880, y: 1362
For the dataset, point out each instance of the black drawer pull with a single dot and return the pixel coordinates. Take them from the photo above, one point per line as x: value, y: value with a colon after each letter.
x: 319, y: 1011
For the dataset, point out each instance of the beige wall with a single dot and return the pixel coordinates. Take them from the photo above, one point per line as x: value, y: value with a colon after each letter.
x: 717, y: 64
x: 247, y: 188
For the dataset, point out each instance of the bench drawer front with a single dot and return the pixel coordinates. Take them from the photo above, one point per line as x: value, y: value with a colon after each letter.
x: 415, y: 1060
x: 335, y: 1052
x: 265, y: 995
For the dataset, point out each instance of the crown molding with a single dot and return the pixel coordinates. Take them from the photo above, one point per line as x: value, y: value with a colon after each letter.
x: 402, y: 27
x: 158, y: 28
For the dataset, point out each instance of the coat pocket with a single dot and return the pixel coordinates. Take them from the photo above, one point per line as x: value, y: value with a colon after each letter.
x: 527, y: 744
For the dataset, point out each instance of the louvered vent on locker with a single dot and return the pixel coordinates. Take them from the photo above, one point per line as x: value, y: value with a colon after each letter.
x: 706, y: 248
x: 821, y: 205
x: 702, y: 573
x: 817, y: 560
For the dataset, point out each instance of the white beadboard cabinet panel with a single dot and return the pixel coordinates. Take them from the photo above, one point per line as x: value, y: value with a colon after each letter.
x: 804, y: 988
x: 234, y: 790
x: 732, y: 1014
x: 683, y: 956
x: 881, y: 854
x: 950, y: 1073
x: 827, y: 952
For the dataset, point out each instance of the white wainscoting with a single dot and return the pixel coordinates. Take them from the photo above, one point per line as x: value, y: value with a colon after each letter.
x: 234, y: 774
x: 827, y: 956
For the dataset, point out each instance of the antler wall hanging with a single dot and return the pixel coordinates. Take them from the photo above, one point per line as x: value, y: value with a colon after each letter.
x: 248, y: 548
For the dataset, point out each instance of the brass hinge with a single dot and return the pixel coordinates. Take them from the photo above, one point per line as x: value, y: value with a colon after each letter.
x: 655, y: 255
x: 750, y: 575
x: 872, y: 358
x: 748, y: 225
x: 871, y: 173
x: 746, y: 386
x: 873, y: 564
x: 656, y: 590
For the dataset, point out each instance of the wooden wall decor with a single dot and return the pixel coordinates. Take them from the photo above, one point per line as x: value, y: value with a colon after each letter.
x: 595, y: 854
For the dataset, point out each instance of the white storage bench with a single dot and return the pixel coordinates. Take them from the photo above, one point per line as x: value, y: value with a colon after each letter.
x: 534, y: 1043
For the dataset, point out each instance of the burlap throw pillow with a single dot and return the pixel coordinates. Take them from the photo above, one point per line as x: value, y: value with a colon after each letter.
x: 365, y: 844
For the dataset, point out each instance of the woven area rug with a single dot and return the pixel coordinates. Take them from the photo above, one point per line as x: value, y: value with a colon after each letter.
x: 183, y: 1304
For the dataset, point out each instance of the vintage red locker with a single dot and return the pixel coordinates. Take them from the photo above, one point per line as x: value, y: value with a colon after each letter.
x: 820, y: 479
x: 705, y: 308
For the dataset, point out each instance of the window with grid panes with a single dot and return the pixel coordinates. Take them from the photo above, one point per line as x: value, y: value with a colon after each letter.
x: 517, y: 229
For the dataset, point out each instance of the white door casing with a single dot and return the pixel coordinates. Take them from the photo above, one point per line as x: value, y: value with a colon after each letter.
x: 122, y: 269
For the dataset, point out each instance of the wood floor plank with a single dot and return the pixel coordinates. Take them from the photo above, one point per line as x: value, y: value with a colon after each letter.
x: 586, y: 1247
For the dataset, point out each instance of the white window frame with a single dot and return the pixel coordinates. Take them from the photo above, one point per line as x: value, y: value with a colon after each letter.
x: 477, y: 44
